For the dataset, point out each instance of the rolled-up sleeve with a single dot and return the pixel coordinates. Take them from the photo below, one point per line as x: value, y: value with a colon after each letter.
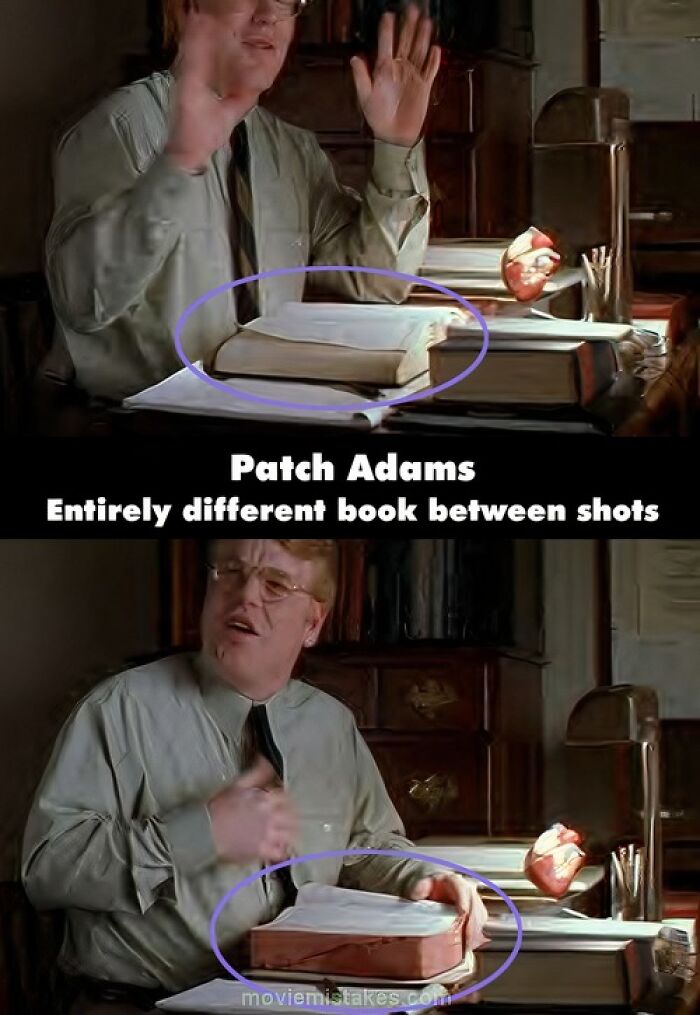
x: 387, y: 227
x: 83, y: 849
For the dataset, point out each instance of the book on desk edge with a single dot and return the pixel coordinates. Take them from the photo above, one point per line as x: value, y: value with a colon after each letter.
x: 527, y: 371
x: 568, y: 971
x: 347, y: 343
x: 339, y: 931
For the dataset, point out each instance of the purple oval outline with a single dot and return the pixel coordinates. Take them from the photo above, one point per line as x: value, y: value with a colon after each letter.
x: 304, y: 269
x: 336, y: 1009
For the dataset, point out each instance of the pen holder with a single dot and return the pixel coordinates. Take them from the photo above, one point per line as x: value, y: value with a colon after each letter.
x: 627, y: 883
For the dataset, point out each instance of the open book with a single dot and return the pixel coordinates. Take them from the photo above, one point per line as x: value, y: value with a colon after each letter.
x: 349, y: 343
x: 339, y: 932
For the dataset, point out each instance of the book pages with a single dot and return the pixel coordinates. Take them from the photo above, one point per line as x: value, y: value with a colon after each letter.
x: 328, y: 910
x: 360, y: 326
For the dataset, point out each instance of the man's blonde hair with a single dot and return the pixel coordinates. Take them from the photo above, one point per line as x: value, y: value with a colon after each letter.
x: 323, y: 553
x: 171, y: 27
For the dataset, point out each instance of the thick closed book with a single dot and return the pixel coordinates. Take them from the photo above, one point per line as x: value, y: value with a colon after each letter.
x: 346, y: 343
x: 568, y: 972
x: 338, y: 931
x: 525, y: 371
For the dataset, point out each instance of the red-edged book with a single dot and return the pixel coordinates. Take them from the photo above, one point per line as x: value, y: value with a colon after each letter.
x: 342, y: 932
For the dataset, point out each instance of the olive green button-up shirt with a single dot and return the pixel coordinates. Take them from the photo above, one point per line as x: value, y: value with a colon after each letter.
x: 119, y: 834
x: 135, y: 241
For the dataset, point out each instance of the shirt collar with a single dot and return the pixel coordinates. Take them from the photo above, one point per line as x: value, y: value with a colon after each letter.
x: 229, y: 708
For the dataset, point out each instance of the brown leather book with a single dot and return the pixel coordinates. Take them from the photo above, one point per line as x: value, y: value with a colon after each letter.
x: 341, y: 20
x: 355, y: 553
x: 341, y: 932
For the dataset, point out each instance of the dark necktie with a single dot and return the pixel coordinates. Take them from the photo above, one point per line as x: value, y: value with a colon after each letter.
x: 263, y: 739
x: 243, y: 244
x: 262, y: 742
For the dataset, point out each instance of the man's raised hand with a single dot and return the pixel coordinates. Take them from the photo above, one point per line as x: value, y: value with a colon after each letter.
x: 394, y: 98
x: 201, y: 120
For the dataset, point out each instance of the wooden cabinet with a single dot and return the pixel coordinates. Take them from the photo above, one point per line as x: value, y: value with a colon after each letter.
x: 456, y: 733
x: 478, y: 134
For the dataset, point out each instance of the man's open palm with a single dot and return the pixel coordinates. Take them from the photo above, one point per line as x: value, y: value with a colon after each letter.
x: 394, y: 98
x: 202, y: 120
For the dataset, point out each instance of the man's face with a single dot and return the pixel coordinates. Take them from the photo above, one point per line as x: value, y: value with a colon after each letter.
x: 255, y: 641
x: 254, y: 40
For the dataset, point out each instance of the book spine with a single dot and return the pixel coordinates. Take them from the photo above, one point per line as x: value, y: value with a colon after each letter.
x: 596, y: 368
x: 342, y: 18
x: 419, y: 626
x: 438, y: 590
x: 356, y: 582
x: 370, y: 625
x: 451, y: 590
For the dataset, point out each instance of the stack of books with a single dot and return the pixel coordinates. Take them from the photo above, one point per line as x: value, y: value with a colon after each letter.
x: 334, y: 943
x: 474, y: 269
x: 579, y: 962
x: 406, y: 590
x: 537, y: 371
x: 312, y: 354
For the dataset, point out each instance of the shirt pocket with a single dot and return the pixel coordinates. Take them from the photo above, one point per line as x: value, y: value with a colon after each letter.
x: 321, y: 833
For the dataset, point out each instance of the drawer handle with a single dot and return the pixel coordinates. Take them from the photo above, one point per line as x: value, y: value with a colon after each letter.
x: 434, y: 793
x: 427, y: 698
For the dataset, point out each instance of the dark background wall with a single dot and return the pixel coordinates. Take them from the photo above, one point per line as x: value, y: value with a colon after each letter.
x: 69, y: 611
x: 54, y: 58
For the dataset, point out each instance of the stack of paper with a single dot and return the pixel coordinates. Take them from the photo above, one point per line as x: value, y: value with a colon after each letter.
x: 229, y: 997
x: 186, y: 393
x: 475, y: 269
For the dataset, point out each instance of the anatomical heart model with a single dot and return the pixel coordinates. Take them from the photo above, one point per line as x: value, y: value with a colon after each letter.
x: 554, y: 860
x: 528, y: 264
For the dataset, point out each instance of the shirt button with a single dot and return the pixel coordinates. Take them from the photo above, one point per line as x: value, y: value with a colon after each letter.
x: 326, y: 827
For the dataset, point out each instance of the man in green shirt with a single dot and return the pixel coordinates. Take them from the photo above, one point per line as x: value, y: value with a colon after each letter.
x: 158, y: 798
x: 181, y: 182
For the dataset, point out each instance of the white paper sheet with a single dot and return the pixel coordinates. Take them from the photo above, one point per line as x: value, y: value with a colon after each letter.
x: 570, y: 927
x: 559, y: 329
x: 229, y: 997
x: 186, y: 393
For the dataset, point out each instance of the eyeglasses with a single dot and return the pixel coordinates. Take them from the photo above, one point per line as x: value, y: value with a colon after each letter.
x: 283, y: 9
x: 274, y: 585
